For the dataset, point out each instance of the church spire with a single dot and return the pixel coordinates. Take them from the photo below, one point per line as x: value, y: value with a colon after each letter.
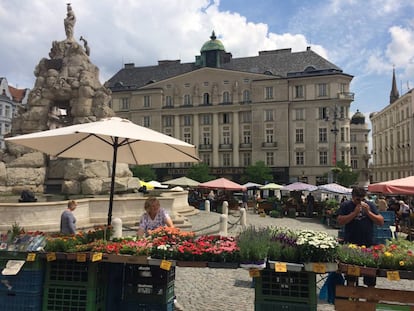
x: 394, y: 95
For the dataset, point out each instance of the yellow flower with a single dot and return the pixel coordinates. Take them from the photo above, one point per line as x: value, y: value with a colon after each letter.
x: 402, y: 263
x: 354, y: 246
x: 388, y: 254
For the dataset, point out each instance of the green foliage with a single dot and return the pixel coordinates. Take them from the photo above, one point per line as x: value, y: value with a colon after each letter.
x: 258, y: 173
x: 344, y: 175
x: 200, y: 172
x: 144, y: 172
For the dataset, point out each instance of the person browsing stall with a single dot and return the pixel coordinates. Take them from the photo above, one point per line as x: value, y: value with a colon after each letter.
x: 68, y: 220
x: 359, y: 217
x: 154, y: 217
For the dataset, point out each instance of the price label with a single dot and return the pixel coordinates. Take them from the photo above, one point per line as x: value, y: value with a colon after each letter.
x: 31, y: 257
x: 280, y: 267
x: 165, y: 265
x: 354, y: 271
x: 393, y: 275
x: 96, y: 257
x: 81, y: 257
x: 51, y: 256
x: 319, y: 267
x: 254, y: 273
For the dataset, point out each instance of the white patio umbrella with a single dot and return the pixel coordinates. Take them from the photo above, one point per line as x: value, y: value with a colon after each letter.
x: 111, y: 139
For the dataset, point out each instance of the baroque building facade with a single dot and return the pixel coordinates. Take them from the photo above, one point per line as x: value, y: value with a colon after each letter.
x: 287, y: 109
x: 392, y: 137
x: 11, y: 99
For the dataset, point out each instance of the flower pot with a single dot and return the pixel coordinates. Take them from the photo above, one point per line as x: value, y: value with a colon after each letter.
x: 297, y: 267
x: 321, y: 267
x: 225, y: 265
x: 260, y: 264
x: 194, y: 264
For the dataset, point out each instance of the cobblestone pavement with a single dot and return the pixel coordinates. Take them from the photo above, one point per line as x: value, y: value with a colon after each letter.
x: 205, y: 289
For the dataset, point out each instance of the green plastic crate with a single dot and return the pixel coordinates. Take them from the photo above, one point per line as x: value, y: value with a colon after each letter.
x: 73, y: 273
x: 69, y: 298
x: 283, y: 306
x: 37, y: 265
x: 297, y: 287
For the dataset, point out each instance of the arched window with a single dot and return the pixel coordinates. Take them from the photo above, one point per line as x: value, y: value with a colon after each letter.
x: 226, y: 97
x: 246, y: 96
x: 187, y: 100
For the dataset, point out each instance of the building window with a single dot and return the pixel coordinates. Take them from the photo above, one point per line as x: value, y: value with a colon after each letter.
x: 187, y: 100
x: 147, y: 101
x: 187, y: 138
x: 353, y: 138
x: 187, y: 120
x: 300, y: 114
x: 226, y: 98
x: 353, y: 150
x: 300, y: 158
x: 323, y: 135
x: 225, y: 118
x: 342, y: 112
x: 323, y: 158
x: 168, y: 101
x: 206, y: 158
x: 268, y: 115
x: 226, y: 159
x: 299, y: 91
x: 354, y: 164
x: 146, y: 121
x: 247, y: 159
x: 206, y: 119
x: 246, y: 96
x: 8, y: 111
x: 343, y: 156
x: 323, y: 113
x: 246, y: 137
x: 342, y: 134
x: 270, y: 159
x: 124, y: 103
x: 246, y: 117
x: 206, y: 99
x: 322, y: 89
x: 206, y: 138
x: 226, y: 138
x: 268, y: 92
x: 299, y: 136
x: 168, y: 121
x: 269, y: 135
x: 1, y: 110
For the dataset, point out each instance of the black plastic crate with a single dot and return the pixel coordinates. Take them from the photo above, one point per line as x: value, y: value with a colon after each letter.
x: 297, y: 287
x: 69, y: 298
x: 148, y: 274
x: 138, y: 306
x: 149, y: 293
x: 30, y: 282
x: 283, y: 306
x: 19, y: 301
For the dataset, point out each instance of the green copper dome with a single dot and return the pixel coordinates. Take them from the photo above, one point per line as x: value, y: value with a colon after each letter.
x: 213, y: 44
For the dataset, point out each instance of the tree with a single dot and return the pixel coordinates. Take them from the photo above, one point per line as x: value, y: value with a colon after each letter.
x: 344, y: 174
x: 258, y: 173
x: 144, y: 172
x: 200, y: 172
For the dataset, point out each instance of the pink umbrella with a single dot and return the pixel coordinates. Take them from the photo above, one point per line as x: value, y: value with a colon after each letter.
x: 396, y: 186
x: 222, y: 183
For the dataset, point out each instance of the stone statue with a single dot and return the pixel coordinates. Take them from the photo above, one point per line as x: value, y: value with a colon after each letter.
x: 69, y: 22
x: 85, y: 45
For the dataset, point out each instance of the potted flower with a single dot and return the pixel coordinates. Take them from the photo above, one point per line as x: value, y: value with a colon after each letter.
x: 254, y: 247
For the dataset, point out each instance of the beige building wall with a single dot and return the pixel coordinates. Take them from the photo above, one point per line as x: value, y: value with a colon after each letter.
x: 392, y: 140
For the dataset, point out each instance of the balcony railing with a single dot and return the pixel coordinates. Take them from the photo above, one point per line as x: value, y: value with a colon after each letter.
x: 226, y: 147
x: 346, y: 95
x: 245, y: 146
x: 269, y: 145
x: 205, y: 147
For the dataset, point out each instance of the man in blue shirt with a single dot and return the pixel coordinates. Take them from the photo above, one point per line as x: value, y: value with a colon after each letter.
x: 359, y: 216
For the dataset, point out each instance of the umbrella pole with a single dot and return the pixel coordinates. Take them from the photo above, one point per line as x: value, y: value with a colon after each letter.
x: 111, y: 193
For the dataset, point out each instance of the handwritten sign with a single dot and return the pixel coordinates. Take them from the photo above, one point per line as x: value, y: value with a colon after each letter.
x: 81, y: 257
x: 319, y: 267
x: 280, y: 267
x: 254, y: 273
x: 393, y: 275
x: 31, y: 257
x: 51, y: 256
x: 96, y: 257
x: 354, y: 270
x: 165, y: 265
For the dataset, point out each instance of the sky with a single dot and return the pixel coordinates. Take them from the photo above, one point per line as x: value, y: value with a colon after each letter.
x: 365, y: 38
